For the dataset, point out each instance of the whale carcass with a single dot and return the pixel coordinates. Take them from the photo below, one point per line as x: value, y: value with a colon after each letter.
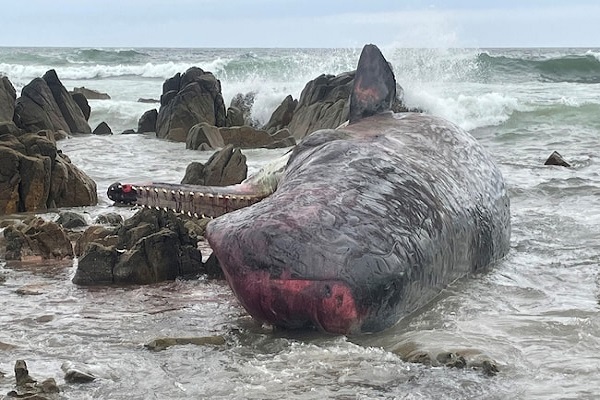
x: 363, y: 224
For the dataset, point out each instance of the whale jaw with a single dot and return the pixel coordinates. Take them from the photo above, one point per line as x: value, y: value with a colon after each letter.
x: 327, y: 305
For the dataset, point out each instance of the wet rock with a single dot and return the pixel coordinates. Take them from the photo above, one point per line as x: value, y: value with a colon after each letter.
x: 428, y: 348
x: 110, y: 218
x: 282, y: 116
x: 83, y: 104
x: 6, y: 347
x: 102, y: 129
x: 324, y: 104
x: 29, y: 388
x: 143, y: 100
x: 97, y: 234
x: 128, y: 132
x: 243, y: 103
x: 213, y: 268
x: 96, y: 265
x: 8, y: 95
x: 204, y: 135
x: 36, y: 176
x: 36, y: 109
x: 196, y: 99
x: 235, y: 117
x: 46, y: 104
x: 73, y: 375
x: 38, y: 239
x: 164, y: 343
x: 9, y: 128
x: 556, y: 159
x: 91, y: 94
x: 71, y: 220
x: 70, y: 111
x: 22, y: 373
x: 30, y: 290
x: 225, y: 167
x: 152, y: 246
x: 147, y: 122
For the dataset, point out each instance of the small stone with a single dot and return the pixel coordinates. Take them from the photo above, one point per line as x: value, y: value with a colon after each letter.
x: 29, y: 290
x: 22, y: 373
x: 109, y: 219
x: 49, y: 386
x: 164, y: 343
x: 556, y: 159
x: 102, y: 129
x: 77, y: 376
x: 70, y: 220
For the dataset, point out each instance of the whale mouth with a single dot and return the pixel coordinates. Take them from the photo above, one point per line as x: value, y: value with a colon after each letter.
x: 327, y: 305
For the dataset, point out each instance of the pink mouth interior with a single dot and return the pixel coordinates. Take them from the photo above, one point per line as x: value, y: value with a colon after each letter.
x: 327, y: 305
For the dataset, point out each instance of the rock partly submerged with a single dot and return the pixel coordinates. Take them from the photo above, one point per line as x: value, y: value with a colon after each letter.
x: 37, y: 176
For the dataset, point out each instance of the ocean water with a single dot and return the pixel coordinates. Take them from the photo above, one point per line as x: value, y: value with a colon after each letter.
x: 536, y: 312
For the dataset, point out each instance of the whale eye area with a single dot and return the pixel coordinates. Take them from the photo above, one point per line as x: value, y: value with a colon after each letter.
x: 327, y: 291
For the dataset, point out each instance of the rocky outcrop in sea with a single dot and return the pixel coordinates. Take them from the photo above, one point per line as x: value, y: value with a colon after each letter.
x: 37, y: 176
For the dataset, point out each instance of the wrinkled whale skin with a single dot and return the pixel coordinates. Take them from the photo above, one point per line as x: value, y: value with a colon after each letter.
x: 368, y: 223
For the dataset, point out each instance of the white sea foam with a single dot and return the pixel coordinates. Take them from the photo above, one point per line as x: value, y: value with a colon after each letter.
x: 467, y: 111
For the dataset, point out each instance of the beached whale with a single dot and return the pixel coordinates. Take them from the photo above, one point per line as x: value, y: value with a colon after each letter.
x: 363, y: 225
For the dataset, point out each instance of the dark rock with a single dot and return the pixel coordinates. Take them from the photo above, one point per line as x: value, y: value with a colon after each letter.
x: 83, y: 104
x: 96, y: 265
x: 152, y: 246
x: 91, y: 94
x: 71, y: 220
x: 8, y: 95
x: 164, y: 343
x: 198, y: 99
x: 29, y: 388
x: 166, y: 97
x: 147, y: 122
x: 9, y: 128
x: 142, y: 100
x: 194, y: 174
x: 150, y: 260
x: 322, y: 104
x: 95, y: 234
x: 102, y: 129
x: 70, y: 187
x: 245, y: 137
x: 71, y: 112
x: 36, y: 109
x: 128, y: 132
x: 109, y: 218
x: 22, y: 373
x: 244, y: 103
x: 213, y: 268
x: 235, y: 117
x: 46, y: 104
x: 225, y: 167
x: 282, y: 116
x: 77, y: 376
x: 556, y: 159
x: 172, y: 84
x: 38, y: 239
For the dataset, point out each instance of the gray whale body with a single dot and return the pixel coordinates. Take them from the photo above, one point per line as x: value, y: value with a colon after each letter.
x: 368, y: 223
x: 364, y: 224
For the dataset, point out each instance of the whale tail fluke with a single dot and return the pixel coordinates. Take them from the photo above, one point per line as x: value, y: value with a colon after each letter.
x: 374, y: 85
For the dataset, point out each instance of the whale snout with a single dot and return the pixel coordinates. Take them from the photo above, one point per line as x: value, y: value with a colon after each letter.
x: 327, y: 305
